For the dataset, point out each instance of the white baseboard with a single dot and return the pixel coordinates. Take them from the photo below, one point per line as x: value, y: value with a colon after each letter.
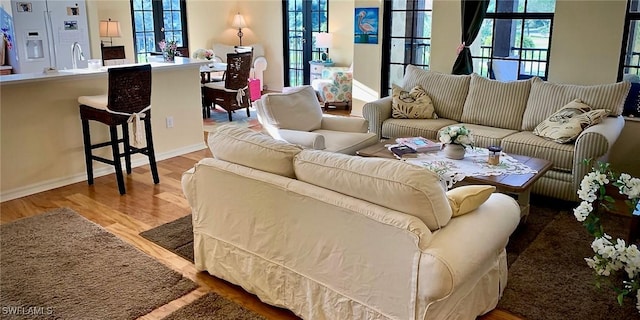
x: 97, y: 172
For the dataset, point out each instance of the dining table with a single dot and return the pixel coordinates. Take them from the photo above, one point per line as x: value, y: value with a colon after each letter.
x: 214, y: 67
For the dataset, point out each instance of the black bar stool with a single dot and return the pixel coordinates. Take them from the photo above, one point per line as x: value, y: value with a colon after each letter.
x: 128, y: 100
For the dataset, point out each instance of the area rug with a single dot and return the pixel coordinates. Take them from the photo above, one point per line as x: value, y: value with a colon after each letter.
x: 550, y: 279
x: 59, y: 265
x: 220, y: 117
x: 175, y: 236
x: 213, y: 307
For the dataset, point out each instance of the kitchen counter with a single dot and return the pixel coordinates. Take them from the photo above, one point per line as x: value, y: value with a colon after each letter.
x: 69, y: 74
x: 41, y: 135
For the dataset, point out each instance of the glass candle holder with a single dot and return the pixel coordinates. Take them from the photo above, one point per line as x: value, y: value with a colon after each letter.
x: 494, y: 155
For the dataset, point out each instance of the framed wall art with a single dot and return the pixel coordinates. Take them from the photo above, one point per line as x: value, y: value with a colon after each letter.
x: 366, y: 25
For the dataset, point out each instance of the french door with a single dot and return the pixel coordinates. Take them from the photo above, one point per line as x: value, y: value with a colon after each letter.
x: 155, y: 20
x: 301, y: 20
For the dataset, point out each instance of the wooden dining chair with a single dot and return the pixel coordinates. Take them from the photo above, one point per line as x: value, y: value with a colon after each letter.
x: 232, y: 93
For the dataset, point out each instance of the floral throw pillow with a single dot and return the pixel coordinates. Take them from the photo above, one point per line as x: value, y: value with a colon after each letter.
x: 566, y: 124
x: 413, y: 104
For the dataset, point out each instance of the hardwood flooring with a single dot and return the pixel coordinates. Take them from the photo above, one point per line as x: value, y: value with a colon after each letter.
x: 146, y: 206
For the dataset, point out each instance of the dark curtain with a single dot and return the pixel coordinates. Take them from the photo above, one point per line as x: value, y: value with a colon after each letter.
x: 473, y: 13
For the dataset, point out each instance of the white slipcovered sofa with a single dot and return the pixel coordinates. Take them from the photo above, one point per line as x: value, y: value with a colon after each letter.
x: 333, y: 236
x: 505, y: 114
x: 258, y: 66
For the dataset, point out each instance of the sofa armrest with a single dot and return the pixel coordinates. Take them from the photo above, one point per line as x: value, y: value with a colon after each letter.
x: 467, y: 245
x: 308, y: 140
x: 595, y: 143
x: 376, y: 112
x: 344, y: 124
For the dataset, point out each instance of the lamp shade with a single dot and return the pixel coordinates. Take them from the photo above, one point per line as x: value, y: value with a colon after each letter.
x: 238, y: 21
x: 109, y: 28
x: 324, y: 40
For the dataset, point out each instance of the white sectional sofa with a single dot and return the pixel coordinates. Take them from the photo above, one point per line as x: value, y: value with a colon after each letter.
x: 505, y: 114
x: 333, y: 236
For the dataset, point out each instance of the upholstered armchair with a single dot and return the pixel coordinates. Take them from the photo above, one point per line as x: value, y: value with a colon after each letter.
x: 296, y: 117
x: 335, y: 86
x: 258, y: 65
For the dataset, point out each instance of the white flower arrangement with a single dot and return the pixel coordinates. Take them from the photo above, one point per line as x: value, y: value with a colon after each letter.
x: 203, y: 54
x: 457, y: 135
x: 611, y: 257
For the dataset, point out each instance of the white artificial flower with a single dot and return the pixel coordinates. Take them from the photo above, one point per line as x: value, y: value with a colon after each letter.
x: 445, y: 138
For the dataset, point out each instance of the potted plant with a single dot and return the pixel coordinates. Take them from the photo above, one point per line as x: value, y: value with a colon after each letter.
x: 455, y: 139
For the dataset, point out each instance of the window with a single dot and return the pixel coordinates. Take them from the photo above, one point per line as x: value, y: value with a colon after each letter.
x: 630, y: 63
x: 154, y: 20
x: 514, y: 40
x: 302, y: 20
x: 408, y: 24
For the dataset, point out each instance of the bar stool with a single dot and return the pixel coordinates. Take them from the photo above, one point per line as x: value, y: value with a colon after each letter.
x: 128, y: 100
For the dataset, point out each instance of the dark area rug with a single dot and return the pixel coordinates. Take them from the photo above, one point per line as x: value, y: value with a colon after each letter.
x: 175, y: 236
x: 213, y: 307
x: 63, y: 266
x: 548, y: 277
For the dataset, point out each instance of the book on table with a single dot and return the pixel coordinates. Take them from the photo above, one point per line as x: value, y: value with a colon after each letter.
x: 420, y: 144
x: 401, y: 151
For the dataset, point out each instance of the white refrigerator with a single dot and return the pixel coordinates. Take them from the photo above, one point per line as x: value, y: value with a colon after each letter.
x: 45, y: 32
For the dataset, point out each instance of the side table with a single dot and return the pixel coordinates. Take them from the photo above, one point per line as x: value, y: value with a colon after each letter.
x: 316, y: 68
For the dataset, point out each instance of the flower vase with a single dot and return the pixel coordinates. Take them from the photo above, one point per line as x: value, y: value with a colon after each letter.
x: 454, y: 151
x: 168, y: 57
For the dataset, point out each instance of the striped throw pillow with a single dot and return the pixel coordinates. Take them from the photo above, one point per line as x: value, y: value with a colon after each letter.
x: 448, y: 92
x: 566, y: 124
x: 495, y: 103
x: 546, y: 97
x: 413, y: 104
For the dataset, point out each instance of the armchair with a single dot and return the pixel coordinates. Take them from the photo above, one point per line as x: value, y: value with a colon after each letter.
x: 335, y: 86
x: 296, y: 117
x: 258, y: 65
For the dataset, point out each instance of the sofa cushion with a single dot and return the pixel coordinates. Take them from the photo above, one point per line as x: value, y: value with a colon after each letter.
x: 412, y: 104
x: 567, y: 123
x: 448, y: 92
x: 484, y: 136
x: 253, y: 149
x: 468, y: 198
x: 401, y: 128
x: 495, y: 103
x: 527, y: 144
x: 546, y: 98
x: 297, y: 109
x: 389, y: 183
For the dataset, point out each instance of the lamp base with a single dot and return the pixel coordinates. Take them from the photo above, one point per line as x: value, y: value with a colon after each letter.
x: 240, y: 34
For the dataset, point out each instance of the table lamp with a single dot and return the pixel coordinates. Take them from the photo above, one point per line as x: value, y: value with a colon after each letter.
x: 109, y: 29
x: 238, y: 22
x: 324, y: 40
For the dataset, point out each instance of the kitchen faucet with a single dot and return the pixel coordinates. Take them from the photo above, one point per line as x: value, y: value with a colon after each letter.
x: 76, y: 54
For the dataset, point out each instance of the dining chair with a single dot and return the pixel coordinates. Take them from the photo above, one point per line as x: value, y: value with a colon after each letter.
x: 232, y: 93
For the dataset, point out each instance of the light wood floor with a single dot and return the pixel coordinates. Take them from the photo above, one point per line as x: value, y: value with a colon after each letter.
x: 146, y: 206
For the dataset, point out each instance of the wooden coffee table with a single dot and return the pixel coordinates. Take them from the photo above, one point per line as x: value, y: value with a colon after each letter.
x: 518, y: 185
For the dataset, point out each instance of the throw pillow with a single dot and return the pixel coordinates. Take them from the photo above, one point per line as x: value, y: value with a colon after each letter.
x: 567, y: 123
x: 413, y: 104
x: 468, y: 198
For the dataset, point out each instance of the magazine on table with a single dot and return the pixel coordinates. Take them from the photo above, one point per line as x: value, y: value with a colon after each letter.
x: 420, y: 144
